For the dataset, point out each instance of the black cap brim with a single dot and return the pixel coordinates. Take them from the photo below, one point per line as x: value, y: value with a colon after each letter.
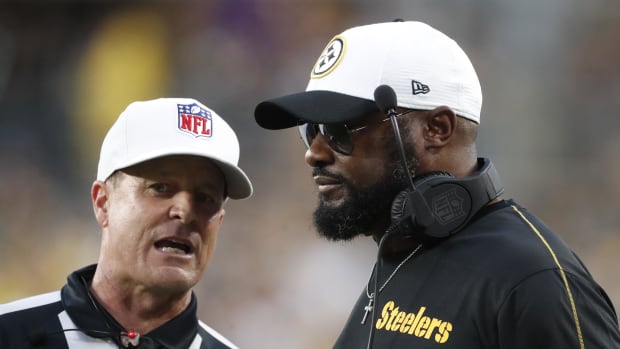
x: 325, y: 107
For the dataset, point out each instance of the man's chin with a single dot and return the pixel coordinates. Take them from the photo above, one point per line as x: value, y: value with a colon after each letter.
x: 343, y: 220
x: 336, y: 237
x: 174, y: 276
x: 331, y: 200
x: 335, y: 224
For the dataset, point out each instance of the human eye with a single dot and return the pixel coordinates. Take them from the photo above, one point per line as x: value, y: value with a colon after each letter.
x: 205, y: 198
x: 160, y: 188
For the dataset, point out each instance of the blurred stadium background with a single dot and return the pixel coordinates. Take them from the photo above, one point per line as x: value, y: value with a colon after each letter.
x: 550, y: 121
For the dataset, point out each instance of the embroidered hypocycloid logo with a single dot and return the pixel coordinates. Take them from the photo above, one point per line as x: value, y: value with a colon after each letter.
x: 329, y: 58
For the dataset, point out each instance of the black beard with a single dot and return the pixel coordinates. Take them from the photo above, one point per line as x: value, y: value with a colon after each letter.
x: 365, y: 210
x: 362, y: 210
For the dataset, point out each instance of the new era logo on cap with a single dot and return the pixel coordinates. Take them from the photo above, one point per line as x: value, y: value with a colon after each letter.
x: 195, y: 120
x: 419, y: 88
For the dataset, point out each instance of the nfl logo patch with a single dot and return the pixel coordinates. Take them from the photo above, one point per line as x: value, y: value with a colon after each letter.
x: 195, y: 120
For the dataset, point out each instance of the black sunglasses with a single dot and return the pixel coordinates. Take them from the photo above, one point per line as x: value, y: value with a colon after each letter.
x: 338, y: 136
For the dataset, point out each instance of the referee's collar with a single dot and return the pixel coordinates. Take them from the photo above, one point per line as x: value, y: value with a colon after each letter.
x: 90, y: 317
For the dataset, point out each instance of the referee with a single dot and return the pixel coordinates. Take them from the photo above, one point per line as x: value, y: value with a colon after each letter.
x: 166, y: 168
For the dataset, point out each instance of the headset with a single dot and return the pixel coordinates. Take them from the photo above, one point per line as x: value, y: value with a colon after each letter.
x: 440, y: 204
x: 436, y: 205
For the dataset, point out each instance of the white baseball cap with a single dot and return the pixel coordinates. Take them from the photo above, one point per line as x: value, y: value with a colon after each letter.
x: 173, y: 126
x: 426, y: 69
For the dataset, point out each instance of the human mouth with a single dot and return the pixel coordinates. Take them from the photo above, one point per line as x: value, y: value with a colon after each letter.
x: 174, y: 246
x: 325, y: 183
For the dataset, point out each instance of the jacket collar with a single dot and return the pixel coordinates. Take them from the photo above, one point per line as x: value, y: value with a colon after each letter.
x: 92, y: 319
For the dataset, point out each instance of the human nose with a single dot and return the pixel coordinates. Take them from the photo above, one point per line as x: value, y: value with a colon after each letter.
x: 183, y: 207
x: 319, y: 152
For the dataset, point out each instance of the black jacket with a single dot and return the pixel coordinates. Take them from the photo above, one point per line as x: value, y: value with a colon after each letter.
x: 505, y: 281
x: 71, y: 318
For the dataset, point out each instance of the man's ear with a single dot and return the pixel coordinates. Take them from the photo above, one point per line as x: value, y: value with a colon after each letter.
x: 221, y: 218
x: 440, y: 126
x: 99, y: 195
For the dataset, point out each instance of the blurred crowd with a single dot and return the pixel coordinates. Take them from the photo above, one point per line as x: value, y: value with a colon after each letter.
x: 550, y: 121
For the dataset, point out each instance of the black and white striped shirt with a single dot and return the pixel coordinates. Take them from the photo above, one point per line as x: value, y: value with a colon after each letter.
x: 72, y: 319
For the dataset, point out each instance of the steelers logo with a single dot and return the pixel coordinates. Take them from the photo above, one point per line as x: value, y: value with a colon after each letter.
x: 329, y: 59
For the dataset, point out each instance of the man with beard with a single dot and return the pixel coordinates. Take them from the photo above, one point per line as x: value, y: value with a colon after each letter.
x: 390, y: 118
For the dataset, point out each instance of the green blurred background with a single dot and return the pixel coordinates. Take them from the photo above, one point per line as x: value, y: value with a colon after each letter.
x: 550, y: 120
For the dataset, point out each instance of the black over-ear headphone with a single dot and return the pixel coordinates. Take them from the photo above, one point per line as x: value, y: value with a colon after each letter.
x: 436, y: 205
x: 440, y: 205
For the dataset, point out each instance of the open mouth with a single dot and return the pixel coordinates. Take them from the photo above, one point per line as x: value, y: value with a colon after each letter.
x: 173, y: 246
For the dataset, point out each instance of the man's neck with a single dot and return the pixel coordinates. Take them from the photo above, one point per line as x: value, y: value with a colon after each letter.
x: 396, y: 244
x: 136, y: 307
